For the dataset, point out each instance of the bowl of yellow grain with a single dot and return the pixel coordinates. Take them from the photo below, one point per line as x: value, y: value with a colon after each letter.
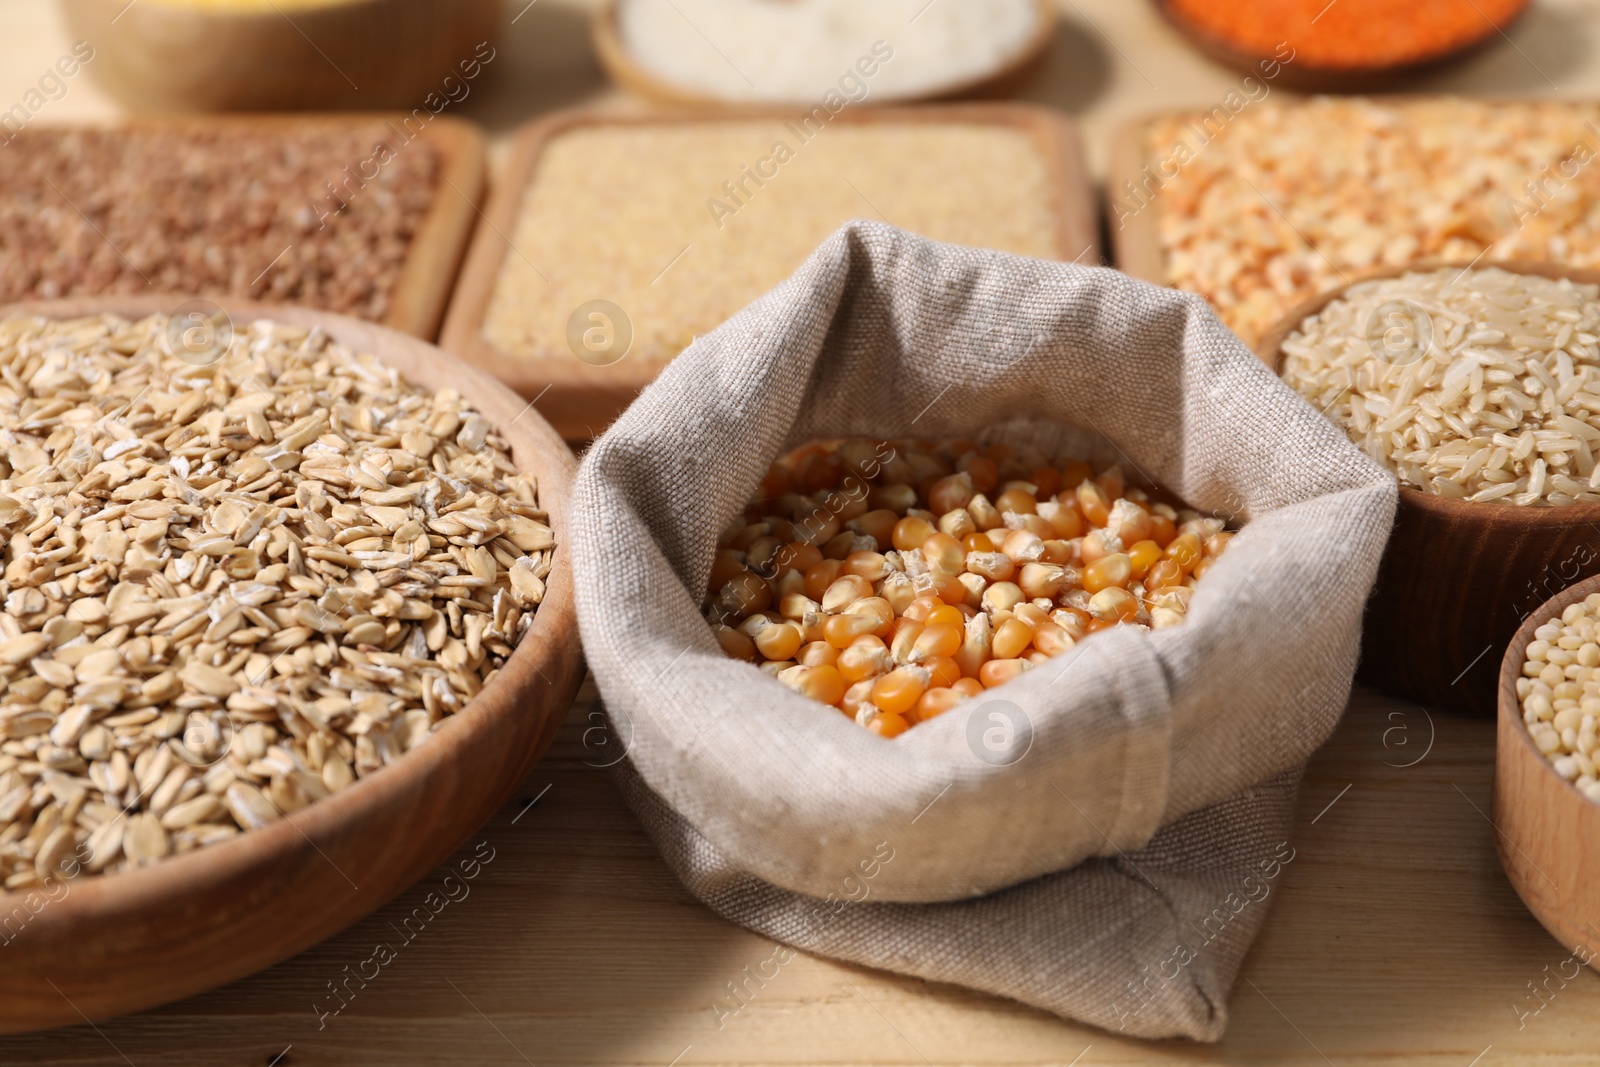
x: 266, y: 55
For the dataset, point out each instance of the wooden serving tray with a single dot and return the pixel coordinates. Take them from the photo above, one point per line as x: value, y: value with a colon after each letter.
x: 1004, y: 79
x: 1136, y: 244
x: 580, y: 399
x: 417, y: 304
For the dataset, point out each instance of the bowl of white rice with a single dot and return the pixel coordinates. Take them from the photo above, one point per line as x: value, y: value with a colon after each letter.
x: 1479, y: 387
x: 819, y: 53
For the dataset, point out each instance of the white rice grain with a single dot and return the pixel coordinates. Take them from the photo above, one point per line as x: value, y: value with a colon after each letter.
x: 1484, y: 385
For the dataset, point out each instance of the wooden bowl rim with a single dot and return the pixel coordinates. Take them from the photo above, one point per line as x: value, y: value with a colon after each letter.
x: 1511, y: 670
x: 555, y: 622
x: 1228, y: 52
x: 1270, y: 351
x: 619, y: 64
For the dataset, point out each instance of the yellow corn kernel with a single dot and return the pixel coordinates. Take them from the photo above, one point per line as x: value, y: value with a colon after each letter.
x: 856, y: 697
x: 935, y: 702
x: 840, y: 546
x: 1093, y: 503
x: 900, y: 689
x: 888, y: 724
x: 1051, y: 639
x: 818, y: 654
x: 1011, y: 639
x: 943, y: 671
x: 1022, y: 546
x: 998, y: 672
x: 1142, y: 555
x: 984, y: 514
x: 904, y: 642
x: 1185, y: 551
x: 841, y: 630
x: 1018, y: 501
x: 797, y: 606
x: 898, y: 590
x: 937, y: 639
x: 862, y: 660
x: 976, y: 647
x: 1097, y: 544
x: 958, y: 524
x: 780, y: 640
x: 844, y: 591
x: 909, y: 533
x: 991, y: 566
x: 951, y: 492
x: 974, y: 584
x: 735, y: 643
x: 943, y: 554
x: 873, y: 566
x: 823, y: 684
x: 1108, y: 571
x: 1032, y: 614
x: 1114, y: 604
x: 1002, y: 596
x: 1042, y: 579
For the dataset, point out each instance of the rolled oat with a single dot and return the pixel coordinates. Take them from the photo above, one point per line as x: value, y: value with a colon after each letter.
x: 232, y: 589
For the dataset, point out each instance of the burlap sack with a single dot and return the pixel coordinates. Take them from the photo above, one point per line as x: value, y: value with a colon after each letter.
x: 1099, y: 837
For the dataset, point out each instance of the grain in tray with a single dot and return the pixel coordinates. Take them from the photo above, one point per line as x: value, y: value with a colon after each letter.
x: 895, y: 580
x: 317, y: 214
x: 673, y: 223
x: 1283, y: 201
x: 234, y: 588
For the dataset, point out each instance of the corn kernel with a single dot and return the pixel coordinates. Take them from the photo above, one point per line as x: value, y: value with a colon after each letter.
x: 895, y: 588
x: 900, y: 689
x: 998, y: 672
x: 1108, y: 571
x: 1011, y: 639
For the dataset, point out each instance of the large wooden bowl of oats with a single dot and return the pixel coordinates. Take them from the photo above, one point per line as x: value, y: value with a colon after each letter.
x: 288, y: 615
x: 1469, y: 559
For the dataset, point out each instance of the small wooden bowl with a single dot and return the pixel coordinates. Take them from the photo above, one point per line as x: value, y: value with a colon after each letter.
x: 1548, y: 833
x: 366, y: 54
x: 131, y: 940
x: 1458, y: 578
x: 1003, y: 80
x: 1300, y: 76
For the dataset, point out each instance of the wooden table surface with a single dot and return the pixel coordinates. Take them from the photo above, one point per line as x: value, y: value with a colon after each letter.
x: 1394, y: 938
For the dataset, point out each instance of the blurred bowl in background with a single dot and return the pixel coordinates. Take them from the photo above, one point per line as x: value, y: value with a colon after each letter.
x: 254, y: 55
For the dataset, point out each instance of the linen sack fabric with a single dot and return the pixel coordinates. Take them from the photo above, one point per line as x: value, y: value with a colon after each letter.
x: 1099, y: 836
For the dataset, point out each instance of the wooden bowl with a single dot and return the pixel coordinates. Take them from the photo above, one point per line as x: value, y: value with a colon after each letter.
x: 1458, y: 577
x: 1006, y: 78
x: 130, y: 940
x: 1548, y: 833
x: 580, y: 399
x: 367, y: 54
x: 1300, y: 76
